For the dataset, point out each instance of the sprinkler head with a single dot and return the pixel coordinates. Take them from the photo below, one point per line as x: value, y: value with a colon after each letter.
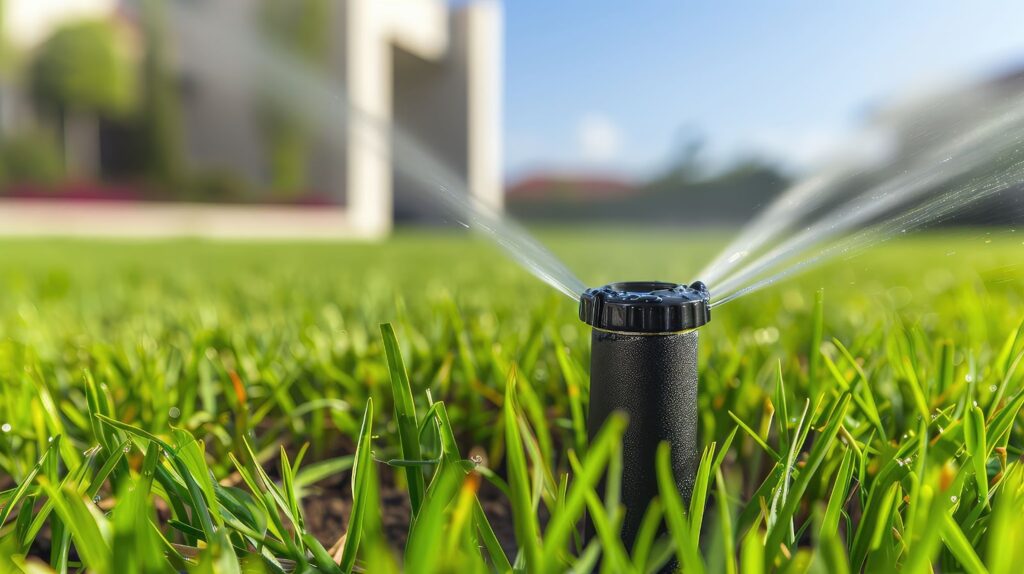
x: 643, y: 362
x: 646, y: 307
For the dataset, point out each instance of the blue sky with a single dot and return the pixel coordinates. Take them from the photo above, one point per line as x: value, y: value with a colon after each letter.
x: 616, y: 86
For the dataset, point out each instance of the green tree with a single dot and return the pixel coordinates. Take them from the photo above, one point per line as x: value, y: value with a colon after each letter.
x: 82, y: 71
x: 302, y: 28
x: 160, y: 135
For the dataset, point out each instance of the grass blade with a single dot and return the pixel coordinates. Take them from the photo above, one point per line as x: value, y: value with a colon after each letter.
x: 360, y: 476
x: 687, y: 552
x: 405, y: 415
x: 974, y: 437
x: 525, y: 520
x: 961, y: 548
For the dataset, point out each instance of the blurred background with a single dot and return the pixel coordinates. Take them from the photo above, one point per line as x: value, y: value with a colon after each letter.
x: 225, y: 117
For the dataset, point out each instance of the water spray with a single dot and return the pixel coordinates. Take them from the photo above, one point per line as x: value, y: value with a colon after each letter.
x: 644, y: 363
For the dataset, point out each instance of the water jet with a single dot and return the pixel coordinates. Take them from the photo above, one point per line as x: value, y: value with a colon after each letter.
x: 644, y: 363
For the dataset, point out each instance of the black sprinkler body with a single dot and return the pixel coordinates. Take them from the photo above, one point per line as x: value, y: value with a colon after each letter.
x: 644, y: 363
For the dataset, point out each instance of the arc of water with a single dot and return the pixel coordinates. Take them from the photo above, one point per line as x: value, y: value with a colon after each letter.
x: 796, y: 202
x: 967, y: 152
x: 931, y: 211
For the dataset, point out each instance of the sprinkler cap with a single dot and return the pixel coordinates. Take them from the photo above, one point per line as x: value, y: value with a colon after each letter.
x: 646, y: 307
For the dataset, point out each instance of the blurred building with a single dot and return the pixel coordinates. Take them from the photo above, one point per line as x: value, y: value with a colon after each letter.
x: 431, y: 68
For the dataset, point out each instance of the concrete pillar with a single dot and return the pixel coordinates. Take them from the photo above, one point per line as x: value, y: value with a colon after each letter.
x: 483, y: 30
x: 373, y: 27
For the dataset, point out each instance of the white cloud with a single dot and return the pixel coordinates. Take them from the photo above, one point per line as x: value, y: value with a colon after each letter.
x: 598, y: 138
x: 813, y: 148
x: 802, y: 149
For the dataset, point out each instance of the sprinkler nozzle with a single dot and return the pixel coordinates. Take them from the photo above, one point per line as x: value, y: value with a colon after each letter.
x: 644, y: 363
x: 648, y: 307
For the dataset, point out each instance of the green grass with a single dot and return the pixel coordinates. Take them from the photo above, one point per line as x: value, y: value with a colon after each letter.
x: 188, y: 405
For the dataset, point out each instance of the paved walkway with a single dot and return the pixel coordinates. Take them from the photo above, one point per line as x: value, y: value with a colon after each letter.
x: 24, y: 217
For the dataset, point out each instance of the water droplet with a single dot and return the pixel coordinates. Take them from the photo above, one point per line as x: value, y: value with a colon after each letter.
x: 6, y: 427
x: 128, y: 448
x: 969, y: 377
x: 174, y: 412
x: 49, y: 439
x: 953, y: 498
x: 737, y: 256
x: 96, y: 499
x: 975, y: 403
x: 993, y: 388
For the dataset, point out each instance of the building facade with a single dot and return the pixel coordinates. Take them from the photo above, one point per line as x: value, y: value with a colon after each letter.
x: 399, y: 75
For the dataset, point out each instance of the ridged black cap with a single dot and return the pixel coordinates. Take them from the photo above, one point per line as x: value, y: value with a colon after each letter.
x: 646, y: 307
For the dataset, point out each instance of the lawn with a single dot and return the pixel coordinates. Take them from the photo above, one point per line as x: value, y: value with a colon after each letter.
x: 214, y: 406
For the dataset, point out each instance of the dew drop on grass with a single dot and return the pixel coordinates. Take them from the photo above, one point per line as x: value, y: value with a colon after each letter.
x: 969, y: 377
x: 174, y: 412
x: 49, y: 439
x: 993, y: 388
x: 6, y: 427
x: 953, y: 498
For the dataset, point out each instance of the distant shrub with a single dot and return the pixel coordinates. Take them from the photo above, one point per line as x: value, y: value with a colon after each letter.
x: 30, y: 158
x: 217, y: 185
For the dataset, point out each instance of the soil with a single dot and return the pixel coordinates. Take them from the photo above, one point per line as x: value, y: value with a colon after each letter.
x: 327, y: 512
